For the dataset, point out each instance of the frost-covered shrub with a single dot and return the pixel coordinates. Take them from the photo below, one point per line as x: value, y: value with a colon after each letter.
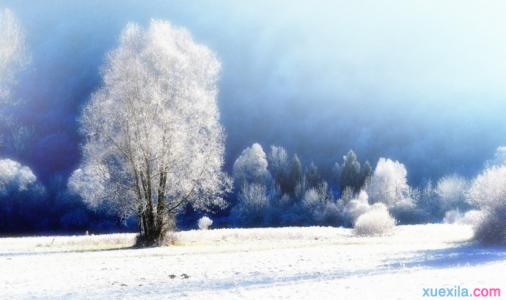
x: 488, y: 191
x: 204, y: 223
x: 376, y: 221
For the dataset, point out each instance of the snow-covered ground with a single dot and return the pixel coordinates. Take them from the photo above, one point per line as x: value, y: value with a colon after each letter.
x: 284, y: 263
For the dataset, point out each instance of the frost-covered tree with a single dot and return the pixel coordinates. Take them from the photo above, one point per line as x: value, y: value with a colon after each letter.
x: 365, y: 172
x: 388, y: 184
x: 296, y: 181
x: 14, y: 176
x: 251, y: 166
x: 428, y: 204
x: 278, y: 159
x: 313, y: 178
x: 12, y: 52
x: 351, y: 173
x: 488, y: 191
x: 251, y: 179
x: 319, y: 207
x: 278, y: 166
x: 253, y: 205
x: 153, y: 140
x: 452, y: 192
x: 316, y: 197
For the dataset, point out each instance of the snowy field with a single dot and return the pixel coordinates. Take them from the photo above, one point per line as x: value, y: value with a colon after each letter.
x: 284, y: 263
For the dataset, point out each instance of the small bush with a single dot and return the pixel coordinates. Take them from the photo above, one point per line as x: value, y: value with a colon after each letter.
x: 377, y: 221
x: 204, y: 223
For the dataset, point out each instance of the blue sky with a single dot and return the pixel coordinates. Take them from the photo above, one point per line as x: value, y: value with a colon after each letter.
x: 417, y: 81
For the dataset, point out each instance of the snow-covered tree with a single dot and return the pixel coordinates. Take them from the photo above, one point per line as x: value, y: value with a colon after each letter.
x: 279, y: 167
x: 319, y: 207
x: 488, y: 191
x: 429, y: 206
x: 351, y: 174
x: 313, y: 178
x: 14, y: 176
x: 251, y: 166
x: 278, y: 159
x: 296, y: 181
x: 252, y: 206
x: 365, y: 172
x: 12, y: 52
x: 153, y: 140
x: 315, y: 197
x: 452, y: 192
x: 388, y: 184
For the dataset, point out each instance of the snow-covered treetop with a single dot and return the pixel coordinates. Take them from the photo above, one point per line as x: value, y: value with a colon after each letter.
x: 251, y: 165
x: 278, y: 158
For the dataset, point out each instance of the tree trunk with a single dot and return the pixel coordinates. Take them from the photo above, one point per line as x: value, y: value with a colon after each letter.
x: 157, y: 221
x: 156, y: 233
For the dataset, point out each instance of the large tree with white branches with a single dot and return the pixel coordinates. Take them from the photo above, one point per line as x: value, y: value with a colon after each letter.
x: 153, y: 139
